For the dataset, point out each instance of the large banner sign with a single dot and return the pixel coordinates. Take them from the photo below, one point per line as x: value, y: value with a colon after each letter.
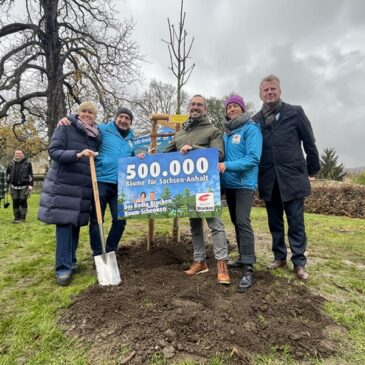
x: 170, y: 185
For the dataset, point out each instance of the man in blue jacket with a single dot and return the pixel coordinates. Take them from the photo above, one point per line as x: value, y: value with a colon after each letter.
x: 284, y: 172
x: 117, y: 141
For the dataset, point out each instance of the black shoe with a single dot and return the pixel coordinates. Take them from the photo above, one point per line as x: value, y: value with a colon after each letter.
x: 247, y: 281
x: 16, y: 221
x: 234, y: 263
x: 63, y: 280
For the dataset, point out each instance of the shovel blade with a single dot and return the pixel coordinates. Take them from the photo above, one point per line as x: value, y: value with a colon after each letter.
x: 107, y: 269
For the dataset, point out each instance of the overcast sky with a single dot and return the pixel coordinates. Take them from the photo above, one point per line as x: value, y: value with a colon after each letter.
x: 316, y: 47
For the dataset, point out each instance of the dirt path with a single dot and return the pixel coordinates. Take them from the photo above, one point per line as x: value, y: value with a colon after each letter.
x: 159, y: 309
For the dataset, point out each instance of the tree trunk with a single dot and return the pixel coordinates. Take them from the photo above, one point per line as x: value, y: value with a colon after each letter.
x: 56, y: 107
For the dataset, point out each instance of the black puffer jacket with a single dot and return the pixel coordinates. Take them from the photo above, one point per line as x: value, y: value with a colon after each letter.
x: 282, y: 155
x: 67, y: 189
x: 20, y: 173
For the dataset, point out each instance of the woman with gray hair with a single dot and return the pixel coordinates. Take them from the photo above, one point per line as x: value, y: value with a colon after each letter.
x: 67, y: 190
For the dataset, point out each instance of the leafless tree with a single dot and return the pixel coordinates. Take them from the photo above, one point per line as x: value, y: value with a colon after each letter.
x: 179, y: 50
x: 159, y: 98
x: 60, y: 53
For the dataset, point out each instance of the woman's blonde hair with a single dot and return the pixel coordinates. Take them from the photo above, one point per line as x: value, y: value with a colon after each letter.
x: 87, y: 105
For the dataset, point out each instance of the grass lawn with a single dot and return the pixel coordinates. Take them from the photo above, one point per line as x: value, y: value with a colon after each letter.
x: 30, y: 301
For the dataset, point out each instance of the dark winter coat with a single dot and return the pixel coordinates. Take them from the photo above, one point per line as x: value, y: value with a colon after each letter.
x: 282, y: 155
x: 20, y: 173
x: 67, y: 189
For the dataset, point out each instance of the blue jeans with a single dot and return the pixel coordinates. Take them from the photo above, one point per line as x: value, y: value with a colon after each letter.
x: 239, y: 203
x: 67, y: 240
x: 108, y: 194
x: 294, y: 210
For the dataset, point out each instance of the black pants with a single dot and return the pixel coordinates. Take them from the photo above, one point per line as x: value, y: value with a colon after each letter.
x: 294, y: 211
x: 239, y: 203
x: 108, y: 194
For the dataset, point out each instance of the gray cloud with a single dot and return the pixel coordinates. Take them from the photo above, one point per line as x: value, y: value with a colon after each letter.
x: 316, y: 47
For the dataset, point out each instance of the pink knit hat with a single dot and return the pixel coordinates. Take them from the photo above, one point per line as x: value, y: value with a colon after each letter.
x: 235, y: 99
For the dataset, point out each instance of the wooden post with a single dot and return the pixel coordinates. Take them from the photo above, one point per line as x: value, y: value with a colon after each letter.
x: 176, y: 231
x: 151, y: 222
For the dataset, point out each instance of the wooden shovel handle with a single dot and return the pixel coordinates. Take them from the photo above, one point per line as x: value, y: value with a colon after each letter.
x: 95, y: 190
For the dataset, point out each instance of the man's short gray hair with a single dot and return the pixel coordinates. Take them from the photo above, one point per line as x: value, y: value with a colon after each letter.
x: 270, y: 78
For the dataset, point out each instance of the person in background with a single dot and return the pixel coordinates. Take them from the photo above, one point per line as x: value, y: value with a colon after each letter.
x: 197, y: 132
x: 19, y: 177
x: 67, y: 190
x: 284, y: 172
x: 3, y: 186
x: 242, y: 152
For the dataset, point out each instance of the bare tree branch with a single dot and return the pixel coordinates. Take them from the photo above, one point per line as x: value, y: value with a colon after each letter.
x: 179, y: 53
x: 62, y: 53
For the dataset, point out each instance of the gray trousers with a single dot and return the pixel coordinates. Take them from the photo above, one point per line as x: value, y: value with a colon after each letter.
x: 20, y: 205
x: 220, y: 247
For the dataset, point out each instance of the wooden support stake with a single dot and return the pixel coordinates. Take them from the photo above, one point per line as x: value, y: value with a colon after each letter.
x: 151, y: 222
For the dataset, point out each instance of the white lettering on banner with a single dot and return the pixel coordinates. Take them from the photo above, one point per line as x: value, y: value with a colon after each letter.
x: 175, y: 167
x: 134, y: 183
x: 172, y: 180
x: 146, y: 211
x: 197, y: 178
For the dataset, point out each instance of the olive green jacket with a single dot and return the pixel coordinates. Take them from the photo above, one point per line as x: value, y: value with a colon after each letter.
x: 198, y: 133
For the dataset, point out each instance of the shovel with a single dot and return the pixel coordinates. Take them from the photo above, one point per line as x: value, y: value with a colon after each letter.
x: 106, y: 264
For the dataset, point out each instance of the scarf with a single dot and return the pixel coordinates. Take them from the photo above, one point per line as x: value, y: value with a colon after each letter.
x: 90, y: 129
x: 236, y: 122
x: 192, y: 121
x: 270, y: 112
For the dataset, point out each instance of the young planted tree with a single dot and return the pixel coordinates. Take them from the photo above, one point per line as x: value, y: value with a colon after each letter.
x: 330, y: 168
x: 61, y: 52
x: 179, y: 50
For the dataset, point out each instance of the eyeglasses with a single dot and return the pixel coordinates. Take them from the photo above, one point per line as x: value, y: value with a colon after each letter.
x: 197, y: 104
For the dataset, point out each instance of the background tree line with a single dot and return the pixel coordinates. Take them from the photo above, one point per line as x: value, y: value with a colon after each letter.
x: 62, y: 52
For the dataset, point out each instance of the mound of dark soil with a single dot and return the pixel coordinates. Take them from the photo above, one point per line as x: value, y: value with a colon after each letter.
x: 160, y: 309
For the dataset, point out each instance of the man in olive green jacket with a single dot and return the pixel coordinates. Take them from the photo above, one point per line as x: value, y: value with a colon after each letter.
x: 196, y: 133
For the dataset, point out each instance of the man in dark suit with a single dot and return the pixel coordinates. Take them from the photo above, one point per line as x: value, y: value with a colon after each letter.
x: 284, y: 172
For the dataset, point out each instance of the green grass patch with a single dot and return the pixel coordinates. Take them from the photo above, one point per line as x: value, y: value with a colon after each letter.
x: 30, y: 302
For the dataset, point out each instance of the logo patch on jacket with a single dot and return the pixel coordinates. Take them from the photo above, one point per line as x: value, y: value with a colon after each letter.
x: 130, y: 143
x: 236, y: 139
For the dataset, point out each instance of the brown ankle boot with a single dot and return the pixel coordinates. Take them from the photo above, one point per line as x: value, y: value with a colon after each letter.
x: 198, y: 267
x: 222, y: 272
